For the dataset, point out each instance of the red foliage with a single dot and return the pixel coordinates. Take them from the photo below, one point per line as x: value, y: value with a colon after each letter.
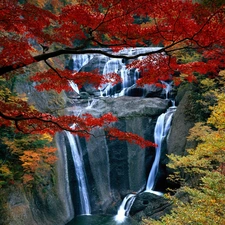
x: 62, y: 76
x: 114, y: 133
x: 174, y: 24
x: 28, y: 120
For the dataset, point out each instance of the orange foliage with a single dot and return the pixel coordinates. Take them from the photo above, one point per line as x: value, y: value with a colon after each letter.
x: 37, y: 163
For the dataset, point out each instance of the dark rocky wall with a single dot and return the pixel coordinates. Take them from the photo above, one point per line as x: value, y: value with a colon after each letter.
x: 114, y: 169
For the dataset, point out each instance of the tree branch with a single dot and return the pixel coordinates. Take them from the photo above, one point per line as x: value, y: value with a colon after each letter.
x: 45, y: 56
x: 20, y: 118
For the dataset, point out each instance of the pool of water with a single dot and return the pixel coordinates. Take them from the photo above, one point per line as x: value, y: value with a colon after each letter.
x: 100, y: 220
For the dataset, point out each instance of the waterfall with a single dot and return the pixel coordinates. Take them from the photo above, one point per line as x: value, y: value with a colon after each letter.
x: 76, y: 151
x: 128, y: 76
x: 125, y: 207
x: 78, y: 61
x: 161, y: 130
x: 80, y: 173
x: 74, y: 86
x: 112, y: 66
x: 167, y: 88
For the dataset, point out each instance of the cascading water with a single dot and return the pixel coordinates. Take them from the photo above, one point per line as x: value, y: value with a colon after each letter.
x: 78, y: 61
x: 161, y: 130
x: 128, y: 76
x: 167, y: 88
x: 125, y: 207
x: 112, y: 66
x: 80, y: 174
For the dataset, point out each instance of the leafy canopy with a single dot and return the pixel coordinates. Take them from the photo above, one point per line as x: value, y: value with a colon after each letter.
x: 30, y: 34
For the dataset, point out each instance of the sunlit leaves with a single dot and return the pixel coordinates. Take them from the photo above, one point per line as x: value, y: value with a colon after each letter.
x: 217, y: 117
x: 176, y: 25
x: 6, y: 175
x: 37, y: 163
x: 154, y: 68
x: 33, y: 151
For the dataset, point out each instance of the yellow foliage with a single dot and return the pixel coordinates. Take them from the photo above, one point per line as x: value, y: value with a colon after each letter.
x: 207, y: 84
x: 5, y: 93
x: 5, y: 171
x: 23, y: 97
x: 222, y: 73
x: 40, y: 3
x: 19, y: 145
x: 37, y: 163
x: 12, y: 146
x: 27, y: 178
x: 30, y: 160
x: 217, y: 117
x: 184, y: 56
x: 199, y: 131
x: 206, y: 206
x: 5, y: 174
x: 46, y: 137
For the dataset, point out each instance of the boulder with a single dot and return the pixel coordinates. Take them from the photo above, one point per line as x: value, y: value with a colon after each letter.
x: 177, y: 141
x: 124, y: 107
x: 149, y: 205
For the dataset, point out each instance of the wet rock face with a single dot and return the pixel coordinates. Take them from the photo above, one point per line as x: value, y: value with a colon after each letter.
x: 149, y: 205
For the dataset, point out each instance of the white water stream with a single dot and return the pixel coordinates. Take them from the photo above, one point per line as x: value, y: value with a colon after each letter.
x: 79, y: 62
x: 80, y: 174
x: 161, y: 130
x: 124, y: 208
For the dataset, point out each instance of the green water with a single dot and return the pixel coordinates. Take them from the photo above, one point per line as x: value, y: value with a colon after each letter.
x: 99, y: 220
